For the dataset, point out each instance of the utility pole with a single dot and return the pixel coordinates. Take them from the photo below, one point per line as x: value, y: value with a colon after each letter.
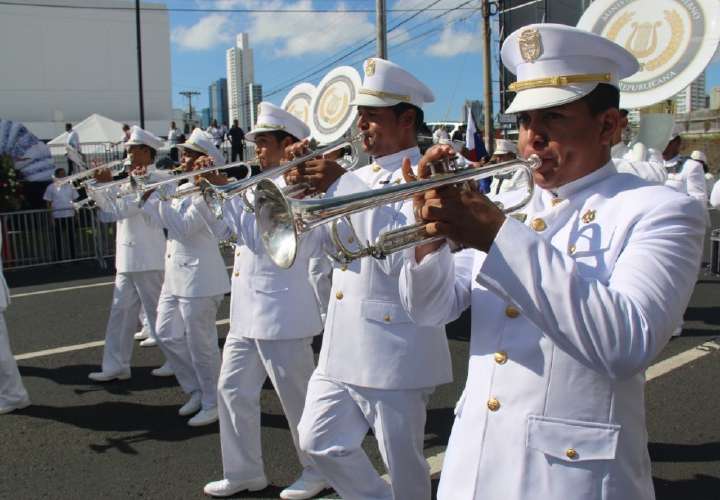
x: 189, y: 94
x: 487, y: 77
x: 381, y: 29
x: 139, y: 61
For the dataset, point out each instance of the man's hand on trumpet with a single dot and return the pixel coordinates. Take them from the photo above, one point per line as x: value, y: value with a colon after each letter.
x: 103, y: 175
x: 319, y: 173
x: 214, y: 177
x: 467, y: 217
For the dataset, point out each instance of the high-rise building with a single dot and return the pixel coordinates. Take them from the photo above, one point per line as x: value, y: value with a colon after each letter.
x: 240, y: 73
x: 715, y: 98
x: 692, y: 97
x: 253, y: 96
x: 205, y: 118
x: 219, y: 101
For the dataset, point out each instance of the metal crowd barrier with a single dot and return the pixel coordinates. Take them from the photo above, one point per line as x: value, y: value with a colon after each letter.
x: 35, y: 238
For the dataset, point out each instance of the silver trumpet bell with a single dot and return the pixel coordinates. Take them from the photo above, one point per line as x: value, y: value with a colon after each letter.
x: 216, y: 196
x: 282, y: 220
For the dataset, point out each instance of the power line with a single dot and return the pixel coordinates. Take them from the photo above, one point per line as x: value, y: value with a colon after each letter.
x: 212, y: 10
x: 284, y: 87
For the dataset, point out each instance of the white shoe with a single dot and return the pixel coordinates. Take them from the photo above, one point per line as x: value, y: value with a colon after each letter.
x: 304, y: 487
x: 204, y: 417
x: 228, y: 487
x: 17, y: 406
x: 141, y: 335
x: 148, y: 342
x: 192, y: 406
x: 107, y: 377
x: 164, y: 371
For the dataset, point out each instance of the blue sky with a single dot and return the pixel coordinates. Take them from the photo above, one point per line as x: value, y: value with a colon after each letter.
x: 440, y: 46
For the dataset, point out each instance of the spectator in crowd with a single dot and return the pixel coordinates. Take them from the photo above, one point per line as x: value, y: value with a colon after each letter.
x: 237, y: 141
x: 217, y: 134
x: 72, y: 140
x: 440, y: 134
x: 173, y: 135
x: 59, y: 197
x: 459, y: 134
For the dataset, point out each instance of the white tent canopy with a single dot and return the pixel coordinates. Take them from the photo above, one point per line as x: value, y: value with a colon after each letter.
x: 93, y: 129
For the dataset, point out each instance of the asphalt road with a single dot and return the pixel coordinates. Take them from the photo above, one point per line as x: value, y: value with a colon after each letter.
x: 125, y: 440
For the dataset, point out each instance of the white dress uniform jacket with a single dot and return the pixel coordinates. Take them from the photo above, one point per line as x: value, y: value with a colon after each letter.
x: 690, y: 178
x: 715, y: 195
x: 567, y: 314
x: 140, y: 241
x: 369, y: 340
x: 267, y: 302
x: 650, y: 169
x: 193, y: 264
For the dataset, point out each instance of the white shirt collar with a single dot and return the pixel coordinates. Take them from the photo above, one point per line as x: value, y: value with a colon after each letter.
x: 583, y: 182
x: 394, y: 161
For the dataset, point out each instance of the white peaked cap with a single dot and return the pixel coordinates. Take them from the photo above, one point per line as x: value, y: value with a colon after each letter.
x: 140, y: 137
x: 273, y: 118
x: 202, y: 142
x: 387, y: 84
x: 557, y: 64
x: 504, y: 146
x: 698, y: 156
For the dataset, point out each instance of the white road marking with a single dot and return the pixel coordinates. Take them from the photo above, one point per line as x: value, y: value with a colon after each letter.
x: 685, y: 357
x: 69, y: 288
x: 80, y: 347
x: 63, y: 289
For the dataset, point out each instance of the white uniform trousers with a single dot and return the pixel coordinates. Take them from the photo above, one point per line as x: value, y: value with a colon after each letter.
x: 187, y: 335
x: 131, y: 290
x: 246, y: 364
x: 334, y: 423
x: 12, y: 390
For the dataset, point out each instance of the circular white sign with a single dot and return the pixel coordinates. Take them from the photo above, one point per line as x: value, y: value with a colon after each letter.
x: 298, y: 101
x: 674, y: 41
x: 331, y: 113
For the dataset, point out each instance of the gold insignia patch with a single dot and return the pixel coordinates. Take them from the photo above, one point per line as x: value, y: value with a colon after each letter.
x: 370, y: 67
x: 588, y: 216
x: 519, y: 216
x: 530, y: 43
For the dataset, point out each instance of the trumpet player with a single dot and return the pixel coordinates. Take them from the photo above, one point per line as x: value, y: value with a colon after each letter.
x: 139, y: 261
x: 195, y: 283
x: 376, y: 369
x: 571, y: 298
x: 273, y: 318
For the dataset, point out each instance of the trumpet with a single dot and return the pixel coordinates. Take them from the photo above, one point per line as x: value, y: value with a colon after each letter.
x: 282, y: 220
x: 141, y: 185
x: 215, y: 196
x: 116, y: 166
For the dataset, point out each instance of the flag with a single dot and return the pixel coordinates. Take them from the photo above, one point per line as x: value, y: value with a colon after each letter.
x: 474, y: 145
x: 471, y: 130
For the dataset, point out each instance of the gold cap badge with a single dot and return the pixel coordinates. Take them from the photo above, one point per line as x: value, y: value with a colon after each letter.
x: 588, y: 216
x: 530, y: 43
x: 370, y: 67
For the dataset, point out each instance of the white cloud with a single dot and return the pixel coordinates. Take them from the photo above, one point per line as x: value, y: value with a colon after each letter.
x: 452, y: 43
x: 208, y: 32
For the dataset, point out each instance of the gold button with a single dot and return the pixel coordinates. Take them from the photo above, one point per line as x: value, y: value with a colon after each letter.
x: 538, y: 224
x: 493, y: 404
x: 343, y: 267
x: 387, y: 318
x: 588, y: 216
x: 237, y: 274
x: 351, y: 239
x: 556, y: 201
x: 501, y: 357
x: 571, y: 249
x: 571, y: 453
x: 339, y: 296
x: 238, y: 254
x: 512, y: 312
x: 376, y: 168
